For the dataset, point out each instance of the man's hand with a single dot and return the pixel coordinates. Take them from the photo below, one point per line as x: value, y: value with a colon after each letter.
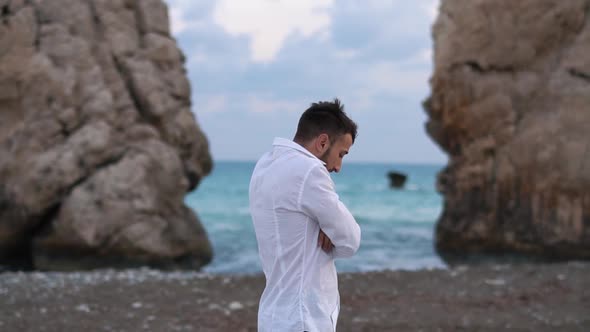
x: 325, y: 242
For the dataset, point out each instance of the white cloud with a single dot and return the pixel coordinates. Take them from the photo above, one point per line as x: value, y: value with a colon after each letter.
x: 407, y: 79
x: 395, y: 80
x: 431, y: 7
x: 251, y: 103
x: 211, y: 104
x: 360, y: 100
x: 198, y: 58
x: 177, y: 21
x: 426, y: 55
x: 261, y: 62
x: 422, y: 58
x: 269, y: 22
x: 391, y: 78
x: 267, y: 104
x: 346, y: 54
x: 182, y: 16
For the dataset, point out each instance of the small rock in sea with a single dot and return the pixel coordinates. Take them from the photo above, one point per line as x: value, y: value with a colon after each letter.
x: 560, y: 277
x: 396, y: 179
x: 235, y: 305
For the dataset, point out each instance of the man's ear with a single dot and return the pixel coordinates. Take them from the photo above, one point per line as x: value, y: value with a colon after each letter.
x: 323, y: 142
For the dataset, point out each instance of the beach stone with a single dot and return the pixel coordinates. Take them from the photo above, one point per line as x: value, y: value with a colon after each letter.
x: 510, y: 105
x: 98, y: 143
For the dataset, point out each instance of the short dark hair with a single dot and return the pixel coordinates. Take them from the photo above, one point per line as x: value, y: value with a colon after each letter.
x: 325, y: 117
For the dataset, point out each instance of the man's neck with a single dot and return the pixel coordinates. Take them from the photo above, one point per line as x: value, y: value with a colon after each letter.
x: 306, y: 145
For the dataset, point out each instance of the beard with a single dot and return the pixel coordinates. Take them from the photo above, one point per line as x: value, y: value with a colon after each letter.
x: 324, y: 157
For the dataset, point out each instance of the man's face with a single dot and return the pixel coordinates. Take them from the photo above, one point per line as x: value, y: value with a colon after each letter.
x: 336, y: 152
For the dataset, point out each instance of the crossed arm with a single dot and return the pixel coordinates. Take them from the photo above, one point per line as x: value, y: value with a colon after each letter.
x: 339, y: 232
x: 324, y: 242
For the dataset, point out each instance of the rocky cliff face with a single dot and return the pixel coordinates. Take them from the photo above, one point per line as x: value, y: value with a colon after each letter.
x: 98, y: 145
x: 510, y: 105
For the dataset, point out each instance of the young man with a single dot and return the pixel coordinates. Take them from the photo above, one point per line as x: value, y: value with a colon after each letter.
x: 300, y: 223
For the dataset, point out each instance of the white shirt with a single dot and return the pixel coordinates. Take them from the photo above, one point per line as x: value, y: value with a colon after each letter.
x: 292, y: 197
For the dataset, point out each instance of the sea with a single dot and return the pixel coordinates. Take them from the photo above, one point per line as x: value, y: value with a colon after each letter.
x: 397, y: 225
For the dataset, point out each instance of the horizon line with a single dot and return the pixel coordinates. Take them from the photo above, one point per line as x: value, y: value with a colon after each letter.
x: 427, y: 163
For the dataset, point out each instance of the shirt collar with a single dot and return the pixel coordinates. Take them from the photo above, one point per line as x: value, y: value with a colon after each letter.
x: 278, y: 141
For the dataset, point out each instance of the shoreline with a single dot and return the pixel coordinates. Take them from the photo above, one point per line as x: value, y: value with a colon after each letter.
x: 526, y: 297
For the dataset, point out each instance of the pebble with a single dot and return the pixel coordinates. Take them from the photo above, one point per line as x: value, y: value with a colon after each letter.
x: 235, y: 306
x: 83, y: 308
x: 495, y: 282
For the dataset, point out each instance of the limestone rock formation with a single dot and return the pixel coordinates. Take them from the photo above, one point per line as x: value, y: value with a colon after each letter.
x: 510, y: 105
x: 98, y: 144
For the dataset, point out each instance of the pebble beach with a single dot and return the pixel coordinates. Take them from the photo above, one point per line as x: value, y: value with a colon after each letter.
x: 525, y: 297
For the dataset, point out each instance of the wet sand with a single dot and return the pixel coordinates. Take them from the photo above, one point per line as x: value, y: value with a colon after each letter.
x: 548, y: 297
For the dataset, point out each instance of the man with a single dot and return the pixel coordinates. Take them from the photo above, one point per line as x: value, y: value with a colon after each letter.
x: 300, y: 223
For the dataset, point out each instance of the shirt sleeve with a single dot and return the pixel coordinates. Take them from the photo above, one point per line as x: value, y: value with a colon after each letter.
x: 319, y: 200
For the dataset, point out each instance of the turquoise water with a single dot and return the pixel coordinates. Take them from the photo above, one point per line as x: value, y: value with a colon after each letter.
x: 397, y: 225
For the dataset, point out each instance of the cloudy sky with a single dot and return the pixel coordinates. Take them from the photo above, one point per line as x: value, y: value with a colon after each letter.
x: 255, y: 65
